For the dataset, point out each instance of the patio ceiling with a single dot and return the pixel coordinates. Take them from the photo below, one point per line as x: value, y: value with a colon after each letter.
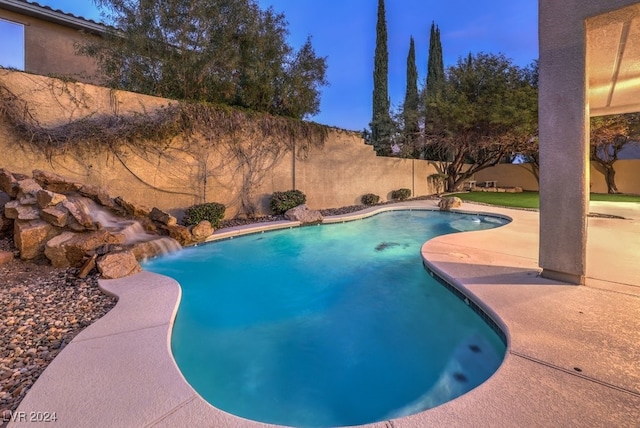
x: 613, y: 61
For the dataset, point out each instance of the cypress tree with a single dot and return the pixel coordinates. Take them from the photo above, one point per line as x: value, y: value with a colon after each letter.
x: 411, y: 100
x: 435, y: 66
x: 381, y: 121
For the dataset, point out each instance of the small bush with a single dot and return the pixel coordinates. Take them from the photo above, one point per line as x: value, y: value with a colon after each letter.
x: 401, y: 194
x: 370, y: 199
x: 212, y: 211
x: 282, y: 202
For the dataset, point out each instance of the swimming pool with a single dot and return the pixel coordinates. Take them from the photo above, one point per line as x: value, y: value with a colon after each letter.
x: 328, y: 325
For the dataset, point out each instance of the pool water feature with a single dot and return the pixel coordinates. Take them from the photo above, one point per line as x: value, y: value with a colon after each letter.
x: 328, y: 325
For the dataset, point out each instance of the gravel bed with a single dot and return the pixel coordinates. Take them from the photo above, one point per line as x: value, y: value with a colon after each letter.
x: 43, y: 308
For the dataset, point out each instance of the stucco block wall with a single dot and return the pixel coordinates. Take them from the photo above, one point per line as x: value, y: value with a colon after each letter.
x: 49, y: 49
x: 172, y: 176
x: 509, y: 175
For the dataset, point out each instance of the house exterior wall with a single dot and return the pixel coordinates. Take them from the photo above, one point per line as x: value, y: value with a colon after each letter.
x: 50, y: 49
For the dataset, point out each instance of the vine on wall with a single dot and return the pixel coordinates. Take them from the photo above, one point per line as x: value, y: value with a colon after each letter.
x: 247, y: 143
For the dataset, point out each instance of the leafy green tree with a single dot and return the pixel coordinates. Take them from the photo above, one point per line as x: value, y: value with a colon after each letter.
x: 488, y: 107
x: 381, y: 124
x: 224, y: 51
x: 410, y: 113
x: 609, y: 135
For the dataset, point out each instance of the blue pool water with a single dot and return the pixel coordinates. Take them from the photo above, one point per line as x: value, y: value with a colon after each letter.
x: 328, y: 325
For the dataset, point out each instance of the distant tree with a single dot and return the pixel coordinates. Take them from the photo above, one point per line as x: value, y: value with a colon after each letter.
x: 487, y: 108
x: 381, y: 124
x: 433, y: 87
x: 410, y: 112
x: 229, y: 52
x: 609, y: 135
x: 435, y: 66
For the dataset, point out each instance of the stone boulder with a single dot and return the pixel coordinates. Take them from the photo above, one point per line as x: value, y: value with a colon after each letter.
x: 118, y: 265
x: 30, y: 237
x: 304, y: 215
x: 131, y: 209
x: 202, y: 231
x: 78, y: 213
x: 28, y: 188
x: 55, y: 182
x: 180, y: 233
x: 155, y: 247
x: 70, y: 249
x: 8, y: 183
x: 97, y: 194
x: 58, y: 217
x: 47, y: 198
x: 16, y: 211
x: 162, y: 217
x: 446, y: 204
x: 5, y: 257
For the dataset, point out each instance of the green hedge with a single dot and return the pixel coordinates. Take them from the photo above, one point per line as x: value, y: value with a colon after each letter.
x: 282, y: 202
x: 370, y: 199
x: 212, y: 211
x: 401, y: 194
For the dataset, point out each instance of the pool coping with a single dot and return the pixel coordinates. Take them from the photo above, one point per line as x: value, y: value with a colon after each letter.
x: 121, y: 367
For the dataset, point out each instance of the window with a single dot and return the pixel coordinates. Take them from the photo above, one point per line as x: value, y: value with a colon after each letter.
x: 11, y: 44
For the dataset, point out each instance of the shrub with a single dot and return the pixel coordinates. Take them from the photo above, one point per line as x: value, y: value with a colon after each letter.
x: 401, y: 194
x: 370, y: 199
x: 212, y: 211
x: 282, y: 202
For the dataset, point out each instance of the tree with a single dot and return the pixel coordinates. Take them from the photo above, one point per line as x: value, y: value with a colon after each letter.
x: 435, y: 67
x: 224, y: 51
x: 410, y: 114
x: 487, y: 108
x: 433, y: 87
x: 609, y: 135
x: 381, y: 124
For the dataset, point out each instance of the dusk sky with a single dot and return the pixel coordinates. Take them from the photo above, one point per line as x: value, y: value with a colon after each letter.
x: 344, y: 32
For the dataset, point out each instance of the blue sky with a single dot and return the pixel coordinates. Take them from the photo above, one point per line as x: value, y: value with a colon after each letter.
x: 344, y: 32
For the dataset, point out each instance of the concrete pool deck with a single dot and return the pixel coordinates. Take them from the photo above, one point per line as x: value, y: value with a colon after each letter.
x: 573, y: 357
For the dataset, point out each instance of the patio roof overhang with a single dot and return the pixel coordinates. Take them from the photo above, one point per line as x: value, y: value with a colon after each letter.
x: 613, y: 61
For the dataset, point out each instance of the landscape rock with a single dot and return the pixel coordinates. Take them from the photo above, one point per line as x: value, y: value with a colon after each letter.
x: 69, y: 249
x: 30, y: 237
x: 47, y: 198
x: 97, y: 194
x: 118, y: 265
x: 88, y: 267
x: 55, y: 182
x: 56, y: 216
x: 153, y: 248
x: 180, y: 233
x: 162, y: 217
x: 8, y: 183
x: 132, y: 209
x: 14, y: 210
x: 446, y: 204
x: 5, y: 257
x: 202, y: 230
x: 28, y: 187
x: 304, y: 215
x: 77, y: 211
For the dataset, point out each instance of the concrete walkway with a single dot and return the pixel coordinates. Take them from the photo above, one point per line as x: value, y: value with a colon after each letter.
x: 573, y: 357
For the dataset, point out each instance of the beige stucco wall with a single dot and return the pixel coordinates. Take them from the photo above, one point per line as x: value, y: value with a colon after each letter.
x: 49, y: 49
x: 171, y: 176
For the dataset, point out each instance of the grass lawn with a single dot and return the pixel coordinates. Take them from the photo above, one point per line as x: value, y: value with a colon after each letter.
x: 532, y: 199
